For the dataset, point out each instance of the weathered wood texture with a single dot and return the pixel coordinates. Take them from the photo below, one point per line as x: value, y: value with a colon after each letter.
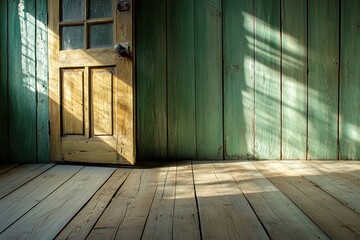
x: 17, y: 177
x: 184, y: 200
x: 81, y: 225
x: 349, y: 81
x: 208, y: 78
x: 223, y: 209
x: 323, y: 65
x: 239, y: 115
x: 161, y: 216
x: 4, y: 168
x: 338, y: 221
x: 263, y: 195
x: 181, y: 80
x: 186, y: 221
x: 52, y: 214
x: 4, y: 134
x: 42, y: 111
x: 275, y: 93
x: 151, y: 79
x: 24, y: 132
x: 340, y: 185
x: 126, y: 215
x: 294, y: 78
x: 267, y: 79
x: 17, y: 203
x: 22, y: 81
x: 247, y: 58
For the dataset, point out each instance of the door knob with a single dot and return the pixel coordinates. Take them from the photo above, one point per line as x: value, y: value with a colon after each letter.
x: 123, y: 49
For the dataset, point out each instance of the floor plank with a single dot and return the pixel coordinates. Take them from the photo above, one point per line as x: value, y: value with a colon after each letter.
x: 279, y: 215
x: 17, y: 203
x: 126, y: 215
x: 348, y: 170
x: 224, y: 211
x: 184, y: 200
x: 159, y: 223
x: 341, y: 187
x: 337, y: 220
x: 4, y: 168
x: 46, y: 219
x: 81, y: 225
x: 186, y: 219
x: 17, y: 177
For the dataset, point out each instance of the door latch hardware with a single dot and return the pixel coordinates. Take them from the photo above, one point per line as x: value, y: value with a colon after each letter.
x: 123, y: 49
x: 123, y: 6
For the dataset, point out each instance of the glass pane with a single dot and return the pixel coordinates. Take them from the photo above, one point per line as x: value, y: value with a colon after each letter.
x: 100, y: 8
x: 72, y: 37
x: 72, y: 10
x: 101, y: 36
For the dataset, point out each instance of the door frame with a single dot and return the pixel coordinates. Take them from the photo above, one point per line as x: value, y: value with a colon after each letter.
x: 125, y: 33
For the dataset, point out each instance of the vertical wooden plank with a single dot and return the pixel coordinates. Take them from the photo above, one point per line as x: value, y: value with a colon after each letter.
x: 22, y: 81
x: 151, y: 79
x: 4, y: 137
x: 238, y: 45
x: 294, y: 78
x: 124, y: 87
x: 54, y: 83
x: 267, y: 79
x: 181, y: 79
x: 323, y: 79
x: 350, y: 80
x: 208, y: 65
x: 43, y: 153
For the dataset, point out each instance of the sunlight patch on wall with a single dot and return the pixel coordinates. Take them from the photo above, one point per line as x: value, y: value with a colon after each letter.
x: 27, y: 27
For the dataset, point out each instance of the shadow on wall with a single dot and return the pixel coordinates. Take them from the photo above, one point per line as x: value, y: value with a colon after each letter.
x: 25, y: 82
x: 282, y: 94
x: 285, y: 93
x: 28, y: 99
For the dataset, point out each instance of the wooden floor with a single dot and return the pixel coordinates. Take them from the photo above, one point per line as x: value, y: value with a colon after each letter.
x: 184, y: 200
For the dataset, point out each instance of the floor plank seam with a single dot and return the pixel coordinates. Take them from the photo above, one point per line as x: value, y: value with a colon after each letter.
x: 251, y: 206
x: 42, y: 199
x: 88, y: 202
x: 196, y: 201
x: 28, y: 180
x: 10, y: 168
x: 148, y: 213
x: 323, y: 190
x: 291, y: 200
x: 319, y: 197
x: 174, y: 201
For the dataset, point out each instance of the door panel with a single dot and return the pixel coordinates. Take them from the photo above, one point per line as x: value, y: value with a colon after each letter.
x: 91, y: 87
x: 102, y: 101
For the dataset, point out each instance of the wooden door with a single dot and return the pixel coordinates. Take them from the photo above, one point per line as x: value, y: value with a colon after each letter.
x: 91, y: 88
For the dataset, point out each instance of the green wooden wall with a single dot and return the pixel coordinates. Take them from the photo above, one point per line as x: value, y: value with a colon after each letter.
x: 24, y: 132
x: 251, y: 79
x: 215, y: 79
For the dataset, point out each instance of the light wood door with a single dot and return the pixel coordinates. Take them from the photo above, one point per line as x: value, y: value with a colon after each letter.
x: 91, y: 87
